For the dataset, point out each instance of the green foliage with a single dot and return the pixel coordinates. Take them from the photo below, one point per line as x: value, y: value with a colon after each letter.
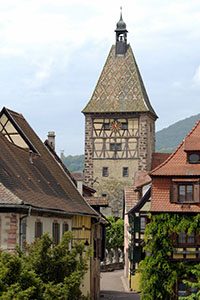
x: 44, y: 271
x: 158, y: 272
x: 74, y: 163
x: 115, y: 234
x: 196, y: 273
x: 169, y: 138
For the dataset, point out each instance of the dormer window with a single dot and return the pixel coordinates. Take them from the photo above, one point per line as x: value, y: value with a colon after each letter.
x: 193, y: 158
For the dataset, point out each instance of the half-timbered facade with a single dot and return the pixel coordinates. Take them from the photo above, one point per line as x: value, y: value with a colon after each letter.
x: 119, y: 125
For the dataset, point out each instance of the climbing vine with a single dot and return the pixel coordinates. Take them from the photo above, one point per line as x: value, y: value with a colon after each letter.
x: 159, y: 273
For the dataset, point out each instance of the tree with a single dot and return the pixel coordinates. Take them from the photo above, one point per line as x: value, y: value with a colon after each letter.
x: 44, y: 271
x: 115, y: 235
x: 158, y: 272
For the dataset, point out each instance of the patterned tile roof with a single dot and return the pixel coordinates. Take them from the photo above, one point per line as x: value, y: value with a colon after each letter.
x: 120, y: 87
x: 37, y: 179
x: 176, y: 164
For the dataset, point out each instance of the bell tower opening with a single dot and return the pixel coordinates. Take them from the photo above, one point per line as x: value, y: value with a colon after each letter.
x: 121, y: 37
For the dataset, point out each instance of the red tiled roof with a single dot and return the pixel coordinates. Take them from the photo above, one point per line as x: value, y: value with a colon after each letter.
x: 97, y: 201
x: 131, y: 197
x: 176, y: 168
x: 176, y: 164
x: 160, y: 200
x: 141, y: 178
x: 77, y: 176
x: 42, y: 183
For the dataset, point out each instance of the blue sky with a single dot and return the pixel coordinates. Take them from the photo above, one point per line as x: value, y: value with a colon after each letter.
x: 52, y: 53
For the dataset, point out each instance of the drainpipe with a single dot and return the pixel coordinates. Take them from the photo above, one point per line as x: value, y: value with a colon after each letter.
x: 20, y: 227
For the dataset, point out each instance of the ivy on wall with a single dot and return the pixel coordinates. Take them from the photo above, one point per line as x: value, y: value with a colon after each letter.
x: 159, y: 273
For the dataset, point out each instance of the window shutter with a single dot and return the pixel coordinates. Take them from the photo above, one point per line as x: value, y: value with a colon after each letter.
x: 174, y: 192
x: 174, y: 239
x: 198, y: 239
x: 136, y: 224
x: 136, y: 254
x: 196, y: 192
x: 99, y: 250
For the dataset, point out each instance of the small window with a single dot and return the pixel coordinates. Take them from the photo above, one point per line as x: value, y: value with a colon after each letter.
x: 112, y: 146
x: 184, y: 238
x: 38, y: 230
x: 23, y: 231
x: 185, y: 193
x: 124, y: 126
x: 118, y: 146
x: 65, y: 227
x: 194, y: 158
x: 125, y: 172
x: 104, y: 195
x: 105, y: 172
x: 142, y: 223
x: 56, y: 233
x: 106, y: 126
x: 115, y: 146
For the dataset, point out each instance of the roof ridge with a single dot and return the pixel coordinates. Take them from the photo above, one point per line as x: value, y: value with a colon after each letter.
x: 99, y: 78
x: 175, y: 151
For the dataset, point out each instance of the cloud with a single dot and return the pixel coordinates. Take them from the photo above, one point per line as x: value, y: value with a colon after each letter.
x: 11, y: 51
x: 196, y: 79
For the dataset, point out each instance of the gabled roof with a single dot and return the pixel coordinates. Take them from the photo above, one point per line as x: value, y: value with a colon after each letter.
x: 36, y: 178
x: 176, y: 164
x: 120, y: 87
x: 141, y: 202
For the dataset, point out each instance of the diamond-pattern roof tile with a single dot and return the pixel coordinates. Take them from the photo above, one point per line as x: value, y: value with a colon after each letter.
x: 120, y: 87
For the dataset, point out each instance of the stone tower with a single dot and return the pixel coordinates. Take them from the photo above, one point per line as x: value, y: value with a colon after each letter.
x: 119, y: 125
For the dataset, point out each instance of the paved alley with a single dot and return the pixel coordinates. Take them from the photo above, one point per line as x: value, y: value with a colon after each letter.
x: 114, y: 287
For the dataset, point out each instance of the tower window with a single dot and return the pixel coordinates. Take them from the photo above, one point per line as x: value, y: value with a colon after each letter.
x: 106, y: 126
x: 124, y: 126
x: 105, y: 172
x: 125, y: 172
x: 115, y: 146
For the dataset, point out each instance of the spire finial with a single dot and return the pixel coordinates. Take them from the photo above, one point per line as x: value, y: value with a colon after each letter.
x: 120, y: 12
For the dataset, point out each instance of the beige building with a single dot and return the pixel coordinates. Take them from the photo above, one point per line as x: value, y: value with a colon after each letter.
x: 119, y: 125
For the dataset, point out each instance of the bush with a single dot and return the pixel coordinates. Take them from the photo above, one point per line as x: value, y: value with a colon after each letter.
x: 44, y: 271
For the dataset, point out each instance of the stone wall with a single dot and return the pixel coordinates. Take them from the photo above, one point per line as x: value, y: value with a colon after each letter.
x: 88, y: 168
x: 146, y: 142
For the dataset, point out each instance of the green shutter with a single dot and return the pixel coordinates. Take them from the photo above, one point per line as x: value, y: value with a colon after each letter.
x: 136, y: 254
x: 136, y: 224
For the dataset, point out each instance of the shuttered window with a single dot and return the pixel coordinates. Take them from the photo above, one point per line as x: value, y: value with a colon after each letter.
x: 38, y: 229
x: 56, y: 233
x: 183, y: 192
x: 136, y: 224
x: 65, y: 227
x: 136, y: 254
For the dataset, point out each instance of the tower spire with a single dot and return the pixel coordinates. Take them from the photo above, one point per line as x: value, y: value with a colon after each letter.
x: 121, y: 36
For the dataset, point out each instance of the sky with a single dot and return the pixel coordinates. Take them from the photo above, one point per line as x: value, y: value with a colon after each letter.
x: 52, y: 54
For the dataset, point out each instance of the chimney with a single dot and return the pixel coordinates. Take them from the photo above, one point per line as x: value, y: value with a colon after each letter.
x: 51, y: 139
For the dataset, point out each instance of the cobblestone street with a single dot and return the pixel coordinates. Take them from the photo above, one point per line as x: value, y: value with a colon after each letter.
x: 114, y: 287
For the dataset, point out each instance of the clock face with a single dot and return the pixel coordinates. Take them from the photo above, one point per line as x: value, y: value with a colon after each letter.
x: 115, y: 126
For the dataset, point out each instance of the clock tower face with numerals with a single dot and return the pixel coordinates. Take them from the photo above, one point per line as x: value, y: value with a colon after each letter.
x: 119, y: 125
